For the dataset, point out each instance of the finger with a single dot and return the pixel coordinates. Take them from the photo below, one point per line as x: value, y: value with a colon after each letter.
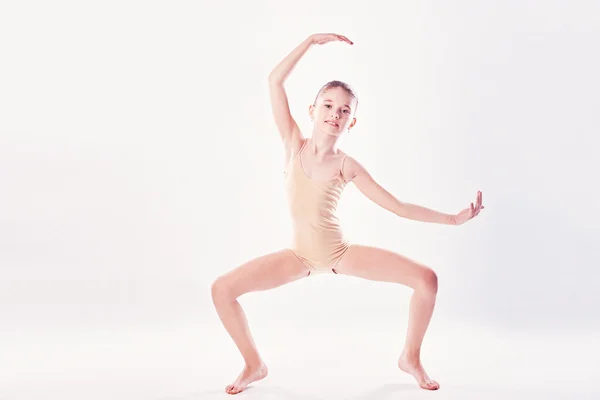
x: 346, y: 39
x: 341, y: 38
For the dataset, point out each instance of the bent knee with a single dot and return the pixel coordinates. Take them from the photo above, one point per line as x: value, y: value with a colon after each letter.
x: 220, y: 289
x: 429, y: 281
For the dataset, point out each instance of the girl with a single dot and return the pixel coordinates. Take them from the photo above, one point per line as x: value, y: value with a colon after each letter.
x: 316, y: 173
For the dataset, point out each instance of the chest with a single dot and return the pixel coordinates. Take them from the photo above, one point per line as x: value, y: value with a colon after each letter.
x: 319, y: 170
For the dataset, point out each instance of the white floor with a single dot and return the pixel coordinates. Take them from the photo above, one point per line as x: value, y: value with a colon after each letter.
x: 330, y: 360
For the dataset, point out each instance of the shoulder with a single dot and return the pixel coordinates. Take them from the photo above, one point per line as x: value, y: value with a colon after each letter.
x: 351, y: 168
x: 293, y: 146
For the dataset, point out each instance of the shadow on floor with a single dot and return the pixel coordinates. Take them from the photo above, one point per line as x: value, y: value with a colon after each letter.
x: 279, y: 393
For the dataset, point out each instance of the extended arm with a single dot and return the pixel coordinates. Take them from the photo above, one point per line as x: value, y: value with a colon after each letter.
x: 380, y: 196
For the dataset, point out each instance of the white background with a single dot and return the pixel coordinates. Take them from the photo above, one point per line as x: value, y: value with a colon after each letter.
x: 139, y: 161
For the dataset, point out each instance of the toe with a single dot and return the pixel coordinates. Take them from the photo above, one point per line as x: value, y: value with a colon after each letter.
x: 233, y: 390
x: 429, y: 385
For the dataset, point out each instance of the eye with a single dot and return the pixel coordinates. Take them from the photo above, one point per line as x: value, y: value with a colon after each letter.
x: 347, y: 111
x: 328, y: 105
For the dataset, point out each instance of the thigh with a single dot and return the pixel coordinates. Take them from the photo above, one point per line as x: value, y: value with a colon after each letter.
x: 262, y: 273
x: 378, y: 264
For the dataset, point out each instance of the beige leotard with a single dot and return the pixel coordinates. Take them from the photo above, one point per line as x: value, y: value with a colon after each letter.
x: 318, y: 240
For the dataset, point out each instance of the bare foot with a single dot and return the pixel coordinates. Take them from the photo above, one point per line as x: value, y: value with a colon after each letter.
x: 246, y: 377
x: 415, y: 368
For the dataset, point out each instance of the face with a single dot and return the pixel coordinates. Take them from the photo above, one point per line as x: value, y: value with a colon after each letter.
x: 333, y: 111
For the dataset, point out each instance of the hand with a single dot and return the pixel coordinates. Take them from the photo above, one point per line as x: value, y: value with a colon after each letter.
x: 469, y: 213
x: 322, y: 38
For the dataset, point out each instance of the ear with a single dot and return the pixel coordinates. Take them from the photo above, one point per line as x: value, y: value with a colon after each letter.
x: 311, y: 109
x: 352, y: 123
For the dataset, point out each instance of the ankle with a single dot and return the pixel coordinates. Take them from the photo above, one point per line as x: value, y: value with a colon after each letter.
x: 254, y: 363
x: 411, y: 354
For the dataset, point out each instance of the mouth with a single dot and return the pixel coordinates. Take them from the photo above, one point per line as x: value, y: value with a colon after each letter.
x: 332, y: 123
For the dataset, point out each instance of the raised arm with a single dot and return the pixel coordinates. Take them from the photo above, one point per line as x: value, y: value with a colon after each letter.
x: 355, y: 172
x: 287, y: 126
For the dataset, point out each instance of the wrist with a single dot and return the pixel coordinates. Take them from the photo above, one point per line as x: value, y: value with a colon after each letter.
x: 452, y: 219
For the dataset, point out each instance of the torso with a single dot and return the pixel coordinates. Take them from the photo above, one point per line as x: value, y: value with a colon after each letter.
x: 313, y: 197
x: 317, y: 170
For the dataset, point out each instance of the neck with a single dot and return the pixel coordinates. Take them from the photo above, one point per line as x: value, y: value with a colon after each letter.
x: 322, y: 144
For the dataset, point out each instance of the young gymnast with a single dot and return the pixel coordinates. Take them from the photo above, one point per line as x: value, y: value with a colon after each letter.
x: 316, y: 172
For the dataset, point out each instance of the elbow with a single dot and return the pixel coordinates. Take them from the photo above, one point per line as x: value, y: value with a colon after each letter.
x: 275, y: 79
x: 401, y: 210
